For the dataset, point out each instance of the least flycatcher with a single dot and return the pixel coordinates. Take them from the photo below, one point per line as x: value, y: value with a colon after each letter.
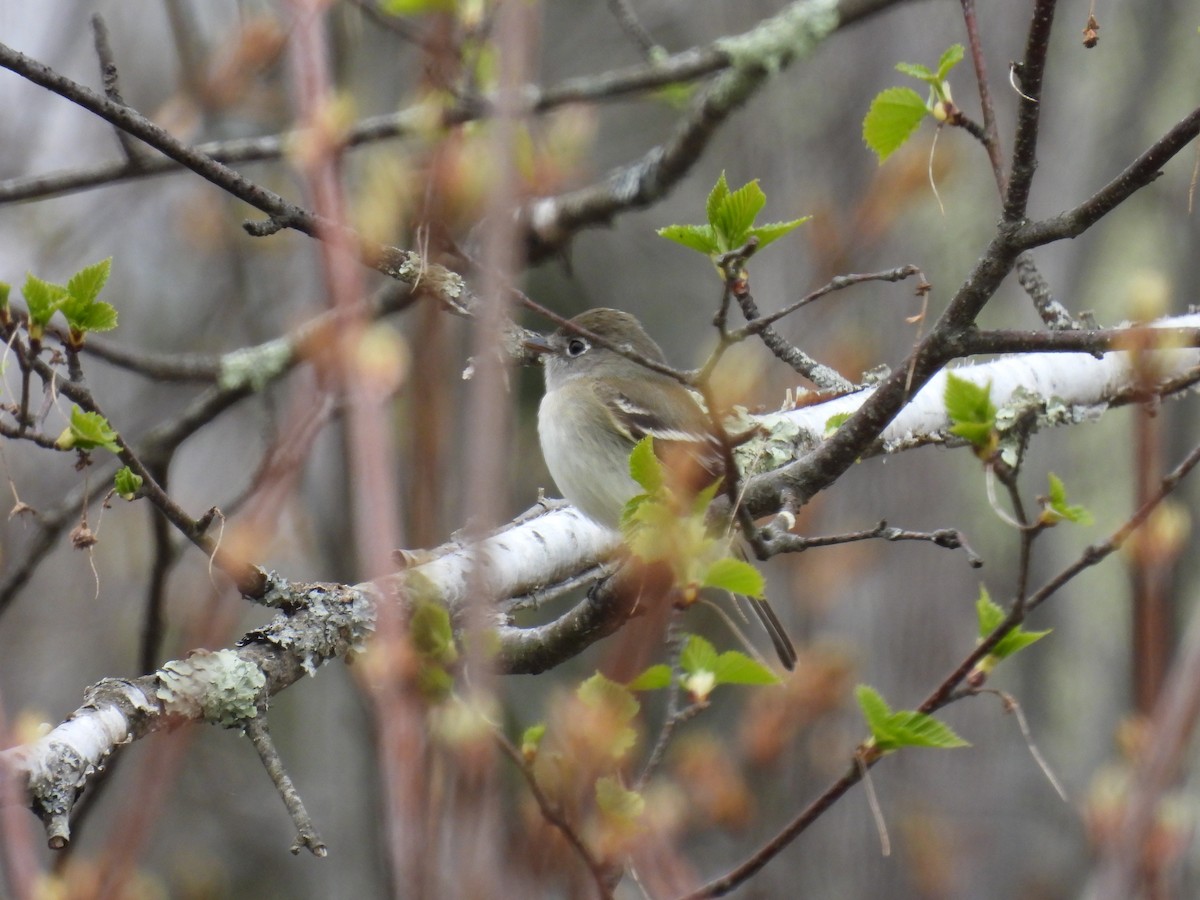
x: 599, y: 404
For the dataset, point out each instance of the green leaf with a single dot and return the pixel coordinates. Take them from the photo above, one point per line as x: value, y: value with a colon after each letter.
x: 969, y: 407
x: 652, y: 529
x: 698, y: 656
x: 616, y: 703
x: 987, y: 612
x: 736, y: 576
x: 705, y: 669
x: 630, y: 515
x: 731, y: 216
x: 531, y: 739
x: 676, y: 95
x: 700, y: 238
x: 915, y: 729
x: 836, y: 421
x: 127, y: 483
x: 874, y: 708
x: 734, y: 667
x: 431, y: 632
x: 916, y: 70
x: 990, y: 615
x: 766, y: 234
x: 5, y: 288
x: 904, y: 728
x: 600, y: 692
x: 1057, y: 507
x: 416, y: 7
x: 1016, y: 640
x: 80, y: 307
x: 94, y: 316
x: 618, y: 803
x: 653, y: 679
x: 951, y: 58
x: 644, y: 465
x: 86, y: 284
x: 736, y: 215
x: 716, y: 197
x: 87, y: 431
x: 894, y: 115
x: 704, y: 499
x: 43, y: 299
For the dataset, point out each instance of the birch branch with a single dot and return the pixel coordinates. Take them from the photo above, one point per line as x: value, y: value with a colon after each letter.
x: 318, y: 623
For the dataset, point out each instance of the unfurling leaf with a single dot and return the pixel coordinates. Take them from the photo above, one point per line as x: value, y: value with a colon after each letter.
x: 700, y: 238
x: 902, y: 728
x: 950, y: 58
x: 705, y: 669
x: 990, y: 615
x: 1056, y: 508
x: 730, y: 226
x: 86, y: 284
x: 88, y: 431
x: 971, y: 411
x: 127, y: 483
x: 42, y: 298
x: 531, y: 741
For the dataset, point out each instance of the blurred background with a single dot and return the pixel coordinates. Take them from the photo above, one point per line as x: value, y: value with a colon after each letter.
x: 981, y: 822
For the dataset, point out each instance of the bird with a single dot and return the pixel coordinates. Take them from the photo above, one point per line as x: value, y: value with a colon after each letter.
x: 599, y: 404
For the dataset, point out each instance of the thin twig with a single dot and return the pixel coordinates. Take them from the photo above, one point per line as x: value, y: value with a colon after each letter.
x: 134, y: 153
x: 306, y: 833
x: 554, y: 815
x: 632, y: 27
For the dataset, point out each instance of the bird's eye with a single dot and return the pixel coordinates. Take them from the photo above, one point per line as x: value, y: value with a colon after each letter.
x: 576, y: 347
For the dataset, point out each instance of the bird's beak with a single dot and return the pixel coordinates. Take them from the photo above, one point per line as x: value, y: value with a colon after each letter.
x: 536, y: 346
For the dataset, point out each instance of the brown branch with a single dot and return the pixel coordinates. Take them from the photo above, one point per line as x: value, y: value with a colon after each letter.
x: 554, y: 816
x: 1031, y: 70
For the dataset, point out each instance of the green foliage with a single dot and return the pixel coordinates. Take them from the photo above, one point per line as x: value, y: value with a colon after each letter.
x: 531, y: 740
x: 617, y: 803
x: 990, y: 615
x: 618, y: 703
x: 645, y: 467
x: 893, y: 116
x: 5, y: 289
x: 431, y: 632
x: 705, y: 669
x: 969, y: 407
x: 896, y: 112
x: 432, y: 636
x: 127, y: 483
x: 902, y: 728
x: 416, y: 7
x: 88, y: 431
x: 77, y: 301
x: 731, y: 216
x: 1055, y: 507
x: 654, y: 678
x: 836, y: 421
x: 734, y: 575
x: 42, y: 298
x: 80, y: 307
x: 656, y: 530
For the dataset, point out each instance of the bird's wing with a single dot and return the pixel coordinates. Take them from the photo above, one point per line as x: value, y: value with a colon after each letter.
x: 686, y: 443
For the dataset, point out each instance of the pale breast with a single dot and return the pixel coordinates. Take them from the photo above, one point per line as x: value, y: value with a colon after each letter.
x: 593, y: 477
